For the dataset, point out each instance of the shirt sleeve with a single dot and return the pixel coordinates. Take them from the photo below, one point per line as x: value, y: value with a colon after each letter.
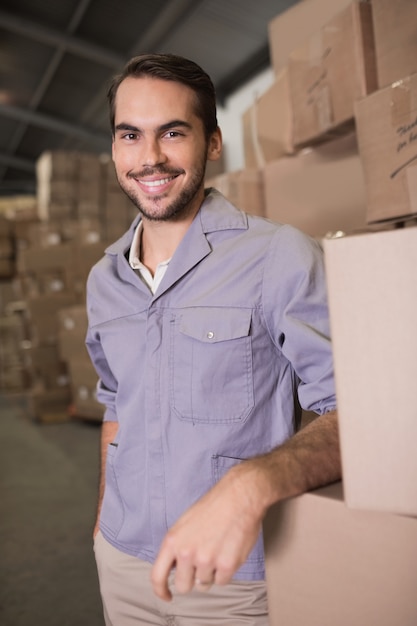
x: 107, y: 383
x: 296, y: 314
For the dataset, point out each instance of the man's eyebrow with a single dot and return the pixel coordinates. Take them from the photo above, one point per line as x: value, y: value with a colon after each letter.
x: 123, y: 126
x: 175, y: 124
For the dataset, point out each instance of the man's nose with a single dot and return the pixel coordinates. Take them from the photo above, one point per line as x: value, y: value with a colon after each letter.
x: 153, y: 152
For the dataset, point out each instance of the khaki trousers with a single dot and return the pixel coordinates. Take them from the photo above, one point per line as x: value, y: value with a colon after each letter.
x: 128, y: 598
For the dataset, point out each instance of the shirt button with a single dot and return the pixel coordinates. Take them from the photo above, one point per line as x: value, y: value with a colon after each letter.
x: 210, y: 334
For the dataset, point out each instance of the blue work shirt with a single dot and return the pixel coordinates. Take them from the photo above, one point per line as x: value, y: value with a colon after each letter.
x: 209, y: 370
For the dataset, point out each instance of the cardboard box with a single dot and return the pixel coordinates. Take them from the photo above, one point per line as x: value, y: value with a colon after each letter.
x: 42, y: 311
x: 395, y: 32
x: 318, y: 190
x: 386, y: 123
x: 328, y: 72
x: 327, y: 565
x: 72, y: 330
x: 7, y: 268
x: 50, y: 405
x: 84, y: 380
x: 243, y: 188
x: 267, y: 125
x: 7, y: 248
x: 373, y: 312
x: 57, y: 165
x: 89, y: 168
x: 47, y: 367
x: 6, y: 229
x: 291, y: 28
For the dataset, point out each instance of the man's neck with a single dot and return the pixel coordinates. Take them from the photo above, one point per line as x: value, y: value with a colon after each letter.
x: 160, y: 240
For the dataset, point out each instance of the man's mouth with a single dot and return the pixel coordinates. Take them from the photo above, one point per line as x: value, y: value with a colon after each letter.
x: 156, y: 183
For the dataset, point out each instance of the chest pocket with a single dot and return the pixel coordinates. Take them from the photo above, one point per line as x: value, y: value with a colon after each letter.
x: 211, y: 365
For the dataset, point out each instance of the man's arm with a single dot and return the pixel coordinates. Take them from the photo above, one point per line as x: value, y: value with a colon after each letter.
x: 214, y: 537
x: 108, y: 433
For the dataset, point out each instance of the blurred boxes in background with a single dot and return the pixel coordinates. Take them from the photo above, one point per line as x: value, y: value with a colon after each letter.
x: 267, y: 125
x: 73, y: 324
x: 72, y: 330
x: 373, y: 312
x: 318, y: 190
x: 386, y: 123
x: 291, y: 28
x: 84, y: 380
x: 56, y: 189
x: 328, y: 72
x: 7, y: 249
x: 243, y: 188
x: 327, y: 565
x: 395, y: 33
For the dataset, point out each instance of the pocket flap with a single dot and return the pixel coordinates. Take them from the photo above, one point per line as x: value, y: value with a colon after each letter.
x: 215, y: 324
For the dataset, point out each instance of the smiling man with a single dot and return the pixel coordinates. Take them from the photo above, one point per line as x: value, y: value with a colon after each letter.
x: 208, y: 329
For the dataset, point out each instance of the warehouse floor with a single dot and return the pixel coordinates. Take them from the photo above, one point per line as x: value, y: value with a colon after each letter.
x: 48, y: 492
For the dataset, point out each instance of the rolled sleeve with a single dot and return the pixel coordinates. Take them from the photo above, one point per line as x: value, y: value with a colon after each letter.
x: 296, y: 313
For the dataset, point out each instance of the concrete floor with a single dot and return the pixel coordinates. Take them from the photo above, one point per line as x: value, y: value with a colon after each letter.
x: 48, y: 492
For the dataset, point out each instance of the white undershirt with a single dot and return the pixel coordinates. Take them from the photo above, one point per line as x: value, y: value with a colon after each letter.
x: 153, y: 282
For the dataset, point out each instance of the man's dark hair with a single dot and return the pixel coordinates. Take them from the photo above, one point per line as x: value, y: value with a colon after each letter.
x: 177, y: 69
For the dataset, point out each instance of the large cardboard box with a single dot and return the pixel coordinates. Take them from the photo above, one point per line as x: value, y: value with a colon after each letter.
x: 328, y: 72
x: 319, y: 189
x: 395, y: 31
x: 267, y: 125
x: 327, y: 565
x: 386, y: 123
x: 373, y: 312
x: 293, y: 27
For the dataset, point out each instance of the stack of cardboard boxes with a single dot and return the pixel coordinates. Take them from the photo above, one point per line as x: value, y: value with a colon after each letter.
x: 347, y: 553
x: 15, y: 214
x: 79, y: 209
x: 51, y: 271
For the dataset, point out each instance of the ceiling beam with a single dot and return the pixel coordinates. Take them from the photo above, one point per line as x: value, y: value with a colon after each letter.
x: 58, y: 39
x: 101, y: 140
x: 164, y: 24
x: 17, y: 162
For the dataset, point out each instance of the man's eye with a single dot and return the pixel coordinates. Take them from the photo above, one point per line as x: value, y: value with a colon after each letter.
x: 129, y: 136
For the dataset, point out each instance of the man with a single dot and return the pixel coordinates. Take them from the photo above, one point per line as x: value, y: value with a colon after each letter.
x: 207, y: 327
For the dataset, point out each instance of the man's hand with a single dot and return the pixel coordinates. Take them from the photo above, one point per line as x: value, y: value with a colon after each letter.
x: 213, y: 538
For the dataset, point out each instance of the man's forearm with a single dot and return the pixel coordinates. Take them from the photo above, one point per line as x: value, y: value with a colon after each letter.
x: 308, y: 460
x: 108, y: 433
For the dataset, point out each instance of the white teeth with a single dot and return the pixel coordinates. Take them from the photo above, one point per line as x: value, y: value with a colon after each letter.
x: 156, y: 183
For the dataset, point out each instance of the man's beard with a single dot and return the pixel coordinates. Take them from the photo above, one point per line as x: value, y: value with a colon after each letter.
x: 180, y: 207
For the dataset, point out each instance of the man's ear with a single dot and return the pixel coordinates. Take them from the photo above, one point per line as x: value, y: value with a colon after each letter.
x: 215, y: 145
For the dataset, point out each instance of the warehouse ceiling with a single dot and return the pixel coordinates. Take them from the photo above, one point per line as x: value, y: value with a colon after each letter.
x: 56, y: 60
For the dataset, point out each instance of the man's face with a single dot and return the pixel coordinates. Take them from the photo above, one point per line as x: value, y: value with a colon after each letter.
x: 159, y: 148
